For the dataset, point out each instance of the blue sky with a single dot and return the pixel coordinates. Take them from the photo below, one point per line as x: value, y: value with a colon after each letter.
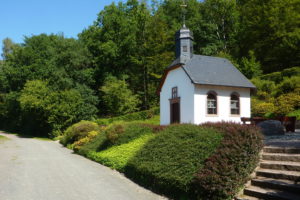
x: 21, y: 18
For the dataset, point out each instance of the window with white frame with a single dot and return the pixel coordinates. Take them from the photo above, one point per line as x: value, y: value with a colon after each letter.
x: 235, y: 104
x: 212, y: 103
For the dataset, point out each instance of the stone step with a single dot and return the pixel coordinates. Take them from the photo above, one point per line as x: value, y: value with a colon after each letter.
x: 280, y: 165
x: 281, y: 157
x: 277, y: 184
x: 270, y: 149
x: 262, y: 193
x: 278, y: 174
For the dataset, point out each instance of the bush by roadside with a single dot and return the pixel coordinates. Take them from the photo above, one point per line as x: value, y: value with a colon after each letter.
x: 78, y: 131
x: 118, y: 156
x: 211, y: 161
x: 114, y: 135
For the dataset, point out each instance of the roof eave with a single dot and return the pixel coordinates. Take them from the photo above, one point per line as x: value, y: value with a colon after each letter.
x: 250, y: 87
x: 163, y: 78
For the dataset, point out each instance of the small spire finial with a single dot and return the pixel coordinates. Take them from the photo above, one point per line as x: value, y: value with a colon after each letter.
x: 184, y: 5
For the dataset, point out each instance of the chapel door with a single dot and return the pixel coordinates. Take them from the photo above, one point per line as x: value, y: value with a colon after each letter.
x: 175, y: 113
x: 174, y: 106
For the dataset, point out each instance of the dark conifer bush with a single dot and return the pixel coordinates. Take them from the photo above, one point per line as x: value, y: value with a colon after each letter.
x: 168, y: 162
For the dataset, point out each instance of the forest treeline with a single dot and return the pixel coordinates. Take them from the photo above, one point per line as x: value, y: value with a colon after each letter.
x: 50, y: 82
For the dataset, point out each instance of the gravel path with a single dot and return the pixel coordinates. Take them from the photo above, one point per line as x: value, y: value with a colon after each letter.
x: 291, y: 140
x: 32, y: 169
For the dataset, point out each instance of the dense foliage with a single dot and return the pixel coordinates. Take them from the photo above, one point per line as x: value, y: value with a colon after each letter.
x: 117, y: 98
x: 117, y: 157
x: 78, y: 131
x: 136, y: 116
x: 168, y: 162
x: 46, y: 85
x: 115, y: 65
x: 211, y: 161
x: 278, y: 94
x: 226, y: 170
x: 116, y: 134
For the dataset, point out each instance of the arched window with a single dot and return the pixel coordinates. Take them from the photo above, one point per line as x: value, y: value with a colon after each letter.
x: 212, y: 103
x: 235, y: 104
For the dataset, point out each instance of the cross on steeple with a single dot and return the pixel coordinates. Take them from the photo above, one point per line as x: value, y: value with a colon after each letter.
x: 183, y: 5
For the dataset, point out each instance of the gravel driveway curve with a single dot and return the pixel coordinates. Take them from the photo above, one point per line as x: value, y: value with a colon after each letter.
x: 32, y: 169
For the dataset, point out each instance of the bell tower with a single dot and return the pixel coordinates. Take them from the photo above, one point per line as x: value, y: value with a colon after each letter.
x: 184, y: 44
x: 184, y: 40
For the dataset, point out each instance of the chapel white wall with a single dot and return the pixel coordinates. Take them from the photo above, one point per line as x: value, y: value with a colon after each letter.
x: 223, y: 107
x: 177, y: 78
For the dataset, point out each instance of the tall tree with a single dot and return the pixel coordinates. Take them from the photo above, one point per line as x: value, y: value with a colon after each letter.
x: 118, y: 98
x: 8, y: 47
x: 130, y: 41
x: 271, y: 28
x: 222, y: 20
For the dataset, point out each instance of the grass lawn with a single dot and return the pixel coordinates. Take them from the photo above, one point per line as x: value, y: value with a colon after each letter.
x: 3, y: 138
x: 42, y: 138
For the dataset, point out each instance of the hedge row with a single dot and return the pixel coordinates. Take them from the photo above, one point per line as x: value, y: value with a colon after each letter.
x: 116, y: 134
x: 118, y: 156
x: 210, y: 161
x: 137, y: 116
x: 229, y: 167
x: 168, y: 162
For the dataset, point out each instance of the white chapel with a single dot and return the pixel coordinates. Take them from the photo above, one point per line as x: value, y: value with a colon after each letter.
x: 197, y: 89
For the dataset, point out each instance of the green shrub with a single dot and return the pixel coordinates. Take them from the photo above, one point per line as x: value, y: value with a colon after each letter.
x: 228, y: 168
x: 168, y: 162
x: 142, y: 115
x: 287, y: 103
x: 261, y: 109
x: 48, y: 111
x: 275, y: 76
x: 78, y: 131
x: 117, y: 97
x: 266, y: 86
x: 116, y: 134
x: 93, y: 145
x: 294, y: 71
x: 295, y: 113
x: 79, y: 143
x: 124, y: 133
x: 117, y: 157
x: 288, y: 85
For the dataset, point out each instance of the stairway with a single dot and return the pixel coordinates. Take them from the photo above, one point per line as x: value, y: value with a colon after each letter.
x: 275, y: 178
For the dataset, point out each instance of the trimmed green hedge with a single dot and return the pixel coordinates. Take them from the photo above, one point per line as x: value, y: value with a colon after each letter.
x: 124, y: 133
x: 168, y: 162
x: 211, y: 161
x: 116, y: 134
x: 226, y: 170
x: 137, y: 116
x: 117, y: 157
